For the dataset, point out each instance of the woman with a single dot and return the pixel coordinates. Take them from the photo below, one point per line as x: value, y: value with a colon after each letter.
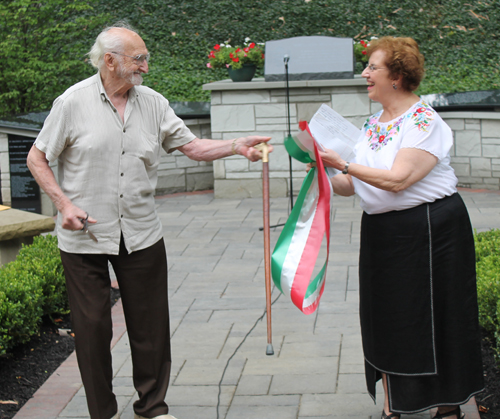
x: 418, y: 305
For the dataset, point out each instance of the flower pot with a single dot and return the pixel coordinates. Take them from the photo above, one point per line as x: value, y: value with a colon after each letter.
x: 244, y: 73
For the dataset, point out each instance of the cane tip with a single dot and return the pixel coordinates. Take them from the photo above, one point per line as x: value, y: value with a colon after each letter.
x: 269, y: 349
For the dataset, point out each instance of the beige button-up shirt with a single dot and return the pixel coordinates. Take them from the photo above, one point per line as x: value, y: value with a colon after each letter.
x: 108, y: 167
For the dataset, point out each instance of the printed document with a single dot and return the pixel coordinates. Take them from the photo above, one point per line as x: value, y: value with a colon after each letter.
x: 333, y: 131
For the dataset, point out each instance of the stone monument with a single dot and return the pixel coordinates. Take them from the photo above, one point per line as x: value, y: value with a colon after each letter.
x: 310, y: 58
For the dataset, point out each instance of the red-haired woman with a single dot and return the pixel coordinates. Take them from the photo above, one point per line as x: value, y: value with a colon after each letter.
x: 418, y: 304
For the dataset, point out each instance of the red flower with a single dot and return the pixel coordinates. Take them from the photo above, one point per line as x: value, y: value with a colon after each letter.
x: 363, y: 43
x: 381, y: 138
x: 231, y: 55
x: 252, y: 45
x: 217, y: 47
x: 235, y: 59
x: 363, y: 52
x: 246, y: 49
x: 237, y: 50
x: 211, y: 55
x: 262, y: 56
x: 419, y: 110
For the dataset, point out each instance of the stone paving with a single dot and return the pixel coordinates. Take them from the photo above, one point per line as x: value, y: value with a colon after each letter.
x: 217, y: 295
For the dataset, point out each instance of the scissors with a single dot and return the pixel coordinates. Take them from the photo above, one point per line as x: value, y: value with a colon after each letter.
x: 85, y: 227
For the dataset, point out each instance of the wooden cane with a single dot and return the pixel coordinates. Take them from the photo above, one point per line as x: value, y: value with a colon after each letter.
x: 267, y: 245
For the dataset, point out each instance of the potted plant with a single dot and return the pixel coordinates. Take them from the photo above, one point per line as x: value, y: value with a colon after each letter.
x: 360, y: 55
x: 240, y: 61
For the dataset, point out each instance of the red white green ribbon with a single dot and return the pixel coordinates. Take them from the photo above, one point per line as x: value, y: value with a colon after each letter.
x: 296, y: 267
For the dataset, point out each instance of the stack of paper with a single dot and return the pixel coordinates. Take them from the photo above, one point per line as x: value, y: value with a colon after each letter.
x: 331, y: 130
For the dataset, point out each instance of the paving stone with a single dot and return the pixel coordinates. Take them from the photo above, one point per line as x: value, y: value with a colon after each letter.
x: 77, y: 407
x: 266, y: 401
x: 260, y: 412
x: 311, y: 349
x: 338, y: 405
x: 197, y: 395
x: 303, y: 384
x: 351, y: 384
x: 201, y: 372
x: 254, y: 385
x: 276, y: 366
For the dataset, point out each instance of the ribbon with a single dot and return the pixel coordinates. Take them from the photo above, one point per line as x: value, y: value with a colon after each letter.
x: 297, y: 270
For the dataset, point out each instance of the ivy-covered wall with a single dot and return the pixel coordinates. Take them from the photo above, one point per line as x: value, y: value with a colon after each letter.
x: 459, y: 38
x: 44, y: 42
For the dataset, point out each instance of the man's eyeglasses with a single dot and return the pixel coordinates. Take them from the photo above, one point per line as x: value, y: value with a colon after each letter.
x: 373, y: 67
x: 139, y: 59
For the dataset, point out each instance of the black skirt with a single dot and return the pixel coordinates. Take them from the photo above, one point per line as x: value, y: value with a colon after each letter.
x: 418, y: 305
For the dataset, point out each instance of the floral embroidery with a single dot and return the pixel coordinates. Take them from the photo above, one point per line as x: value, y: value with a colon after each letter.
x: 422, y: 116
x: 379, y: 135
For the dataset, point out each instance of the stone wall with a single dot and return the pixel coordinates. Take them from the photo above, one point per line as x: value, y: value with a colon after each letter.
x: 176, y: 173
x: 259, y: 107
x: 476, y: 153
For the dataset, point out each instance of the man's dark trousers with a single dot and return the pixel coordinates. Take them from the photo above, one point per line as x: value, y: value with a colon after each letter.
x: 142, y: 278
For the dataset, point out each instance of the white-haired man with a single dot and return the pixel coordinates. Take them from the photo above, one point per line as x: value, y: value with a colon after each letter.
x: 106, y: 133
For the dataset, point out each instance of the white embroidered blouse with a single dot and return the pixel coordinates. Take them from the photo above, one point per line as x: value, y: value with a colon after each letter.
x: 419, y: 127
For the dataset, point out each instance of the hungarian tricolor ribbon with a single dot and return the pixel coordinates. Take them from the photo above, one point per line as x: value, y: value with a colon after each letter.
x: 297, y: 269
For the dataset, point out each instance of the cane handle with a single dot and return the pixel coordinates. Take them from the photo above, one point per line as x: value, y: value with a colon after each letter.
x: 265, y: 151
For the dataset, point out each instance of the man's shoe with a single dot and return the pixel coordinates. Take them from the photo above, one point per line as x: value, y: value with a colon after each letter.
x: 136, y: 416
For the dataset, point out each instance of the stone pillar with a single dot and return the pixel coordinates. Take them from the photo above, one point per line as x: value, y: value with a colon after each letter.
x: 259, y: 108
x: 5, y: 169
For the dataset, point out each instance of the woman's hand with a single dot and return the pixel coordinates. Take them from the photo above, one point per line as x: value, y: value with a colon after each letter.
x: 342, y: 184
x: 309, y: 166
x: 331, y: 158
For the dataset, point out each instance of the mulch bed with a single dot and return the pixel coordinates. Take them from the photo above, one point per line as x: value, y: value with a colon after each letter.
x: 489, y: 400
x: 27, y: 368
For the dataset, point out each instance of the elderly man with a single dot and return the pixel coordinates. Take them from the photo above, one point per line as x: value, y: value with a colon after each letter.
x: 106, y: 133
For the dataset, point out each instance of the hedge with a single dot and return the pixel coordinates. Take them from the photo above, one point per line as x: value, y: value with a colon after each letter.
x: 488, y: 283
x: 31, y: 286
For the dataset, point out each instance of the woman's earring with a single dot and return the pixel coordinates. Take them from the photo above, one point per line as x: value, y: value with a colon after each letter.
x: 394, y: 86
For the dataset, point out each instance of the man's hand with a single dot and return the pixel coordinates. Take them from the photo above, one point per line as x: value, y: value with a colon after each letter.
x: 245, y: 146
x: 73, y: 218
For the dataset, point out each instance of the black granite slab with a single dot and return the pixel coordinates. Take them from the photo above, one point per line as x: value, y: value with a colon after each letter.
x: 479, y: 100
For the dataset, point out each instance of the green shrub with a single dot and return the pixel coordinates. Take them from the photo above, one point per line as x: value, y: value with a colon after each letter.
x: 31, y: 286
x: 21, y: 295
x: 43, y: 259
x: 488, y: 282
